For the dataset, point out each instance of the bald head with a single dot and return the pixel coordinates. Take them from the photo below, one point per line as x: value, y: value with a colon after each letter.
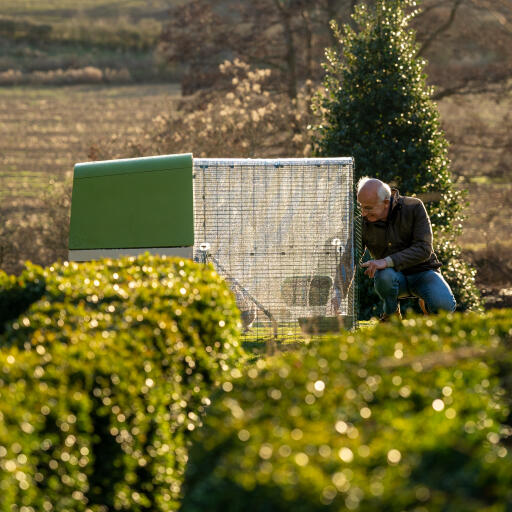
x: 373, y: 196
x: 372, y: 187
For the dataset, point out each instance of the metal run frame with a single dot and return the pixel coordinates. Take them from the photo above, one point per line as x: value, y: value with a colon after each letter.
x: 281, y: 232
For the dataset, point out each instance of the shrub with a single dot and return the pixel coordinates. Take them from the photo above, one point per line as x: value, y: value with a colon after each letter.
x: 18, y: 293
x: 411, y: 416
x: 458, y: 273
x: 40, y: 235
x: 243, y: 118
x: 103, y: 379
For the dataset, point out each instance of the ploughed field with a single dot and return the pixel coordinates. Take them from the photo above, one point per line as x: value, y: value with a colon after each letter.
x: 44, y: 131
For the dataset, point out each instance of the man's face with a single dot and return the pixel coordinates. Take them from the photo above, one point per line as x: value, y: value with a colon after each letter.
x: 373, y: 208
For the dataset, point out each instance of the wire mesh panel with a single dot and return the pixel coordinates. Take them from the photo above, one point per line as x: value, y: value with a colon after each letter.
x: 281, y: 233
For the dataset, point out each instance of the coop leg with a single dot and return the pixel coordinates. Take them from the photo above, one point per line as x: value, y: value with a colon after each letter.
x: 271, y: 343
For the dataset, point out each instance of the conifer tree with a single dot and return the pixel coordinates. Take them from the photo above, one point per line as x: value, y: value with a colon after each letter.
x: 376, y: 106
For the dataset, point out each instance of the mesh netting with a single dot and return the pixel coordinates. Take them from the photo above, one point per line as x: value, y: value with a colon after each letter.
x: 281, y: 233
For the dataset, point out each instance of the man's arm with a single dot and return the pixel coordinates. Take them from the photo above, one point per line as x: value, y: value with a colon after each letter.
x: 372, y: 265
x: 421, y: 246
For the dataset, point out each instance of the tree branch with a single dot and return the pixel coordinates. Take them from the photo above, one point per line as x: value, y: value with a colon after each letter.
x: 426, y: 44
x: 464, y: 89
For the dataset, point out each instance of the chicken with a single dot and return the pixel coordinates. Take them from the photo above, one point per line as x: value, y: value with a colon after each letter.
x: 247, y: 309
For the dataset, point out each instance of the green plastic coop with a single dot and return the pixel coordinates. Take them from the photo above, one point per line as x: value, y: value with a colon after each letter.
x: 125, y: 207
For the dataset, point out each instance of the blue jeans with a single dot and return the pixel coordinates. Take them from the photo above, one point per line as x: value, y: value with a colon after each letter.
x: 430, y: 286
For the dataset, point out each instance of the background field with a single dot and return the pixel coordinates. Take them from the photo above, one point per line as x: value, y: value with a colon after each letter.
x: 45, y: 131
x: 46, y: 36
x: 92, y: 75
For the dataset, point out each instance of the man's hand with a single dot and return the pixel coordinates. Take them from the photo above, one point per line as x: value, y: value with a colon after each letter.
x: 373, y: 266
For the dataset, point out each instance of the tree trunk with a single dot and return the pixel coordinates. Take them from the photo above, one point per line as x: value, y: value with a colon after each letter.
x: 290, y: 57
x: 308, y: 38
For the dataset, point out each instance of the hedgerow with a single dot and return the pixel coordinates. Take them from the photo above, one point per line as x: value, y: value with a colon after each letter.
x: 413, y: 416
x: 104, y: 377
x: 18, y: 292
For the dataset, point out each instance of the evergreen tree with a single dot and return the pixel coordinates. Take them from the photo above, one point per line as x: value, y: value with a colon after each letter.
x: 376, y: 106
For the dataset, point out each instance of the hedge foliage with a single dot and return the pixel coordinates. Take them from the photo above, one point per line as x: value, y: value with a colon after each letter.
x: 413, y: 416
x: 18, y: 292
x: 104, y: 377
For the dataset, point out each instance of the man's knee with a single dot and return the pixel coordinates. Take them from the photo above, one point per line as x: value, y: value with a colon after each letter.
x: 438, y: 296
x: 441, y: 303
x: 386, y: 281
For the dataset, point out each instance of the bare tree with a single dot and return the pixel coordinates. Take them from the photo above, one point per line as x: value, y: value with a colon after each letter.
x: 468, y: 43
x: 288, y: 36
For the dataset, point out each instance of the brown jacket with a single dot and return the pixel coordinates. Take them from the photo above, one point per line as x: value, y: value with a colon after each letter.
x: 405, y: 236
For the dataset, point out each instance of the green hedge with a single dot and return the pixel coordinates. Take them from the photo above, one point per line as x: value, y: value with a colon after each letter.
x: 413, y: 416
x: 104, y: 377
x: 18, y: 292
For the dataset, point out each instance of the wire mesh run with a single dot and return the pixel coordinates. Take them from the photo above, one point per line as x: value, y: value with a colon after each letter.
x: 281, y: 233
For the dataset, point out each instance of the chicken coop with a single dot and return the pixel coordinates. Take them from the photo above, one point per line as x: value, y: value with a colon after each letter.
x: 280, y: 231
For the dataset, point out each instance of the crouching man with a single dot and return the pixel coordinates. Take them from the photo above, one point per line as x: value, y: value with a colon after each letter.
x: 398, y: 234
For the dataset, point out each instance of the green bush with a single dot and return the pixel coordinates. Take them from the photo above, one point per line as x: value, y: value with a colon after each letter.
x: 103, y: 379
x: 458, y: 273
x: 18, y: 292
x: 411, y: 416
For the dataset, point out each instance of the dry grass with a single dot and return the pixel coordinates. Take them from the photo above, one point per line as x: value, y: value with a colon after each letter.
x: 479, y: 128
x: 45, y: 131
x: 52, y: 9
x: 486, y: 240
x: 41, y: 38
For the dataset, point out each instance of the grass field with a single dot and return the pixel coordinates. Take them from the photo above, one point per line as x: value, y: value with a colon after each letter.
x: 261, y: 340
x: 46, y: 36
x: 47, y: 10
x: 45, y: 131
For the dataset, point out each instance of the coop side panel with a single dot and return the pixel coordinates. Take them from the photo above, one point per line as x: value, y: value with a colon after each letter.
x: 133, y: 203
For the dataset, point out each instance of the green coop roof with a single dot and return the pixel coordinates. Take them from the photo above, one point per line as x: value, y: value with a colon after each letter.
x: 132, y: 203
